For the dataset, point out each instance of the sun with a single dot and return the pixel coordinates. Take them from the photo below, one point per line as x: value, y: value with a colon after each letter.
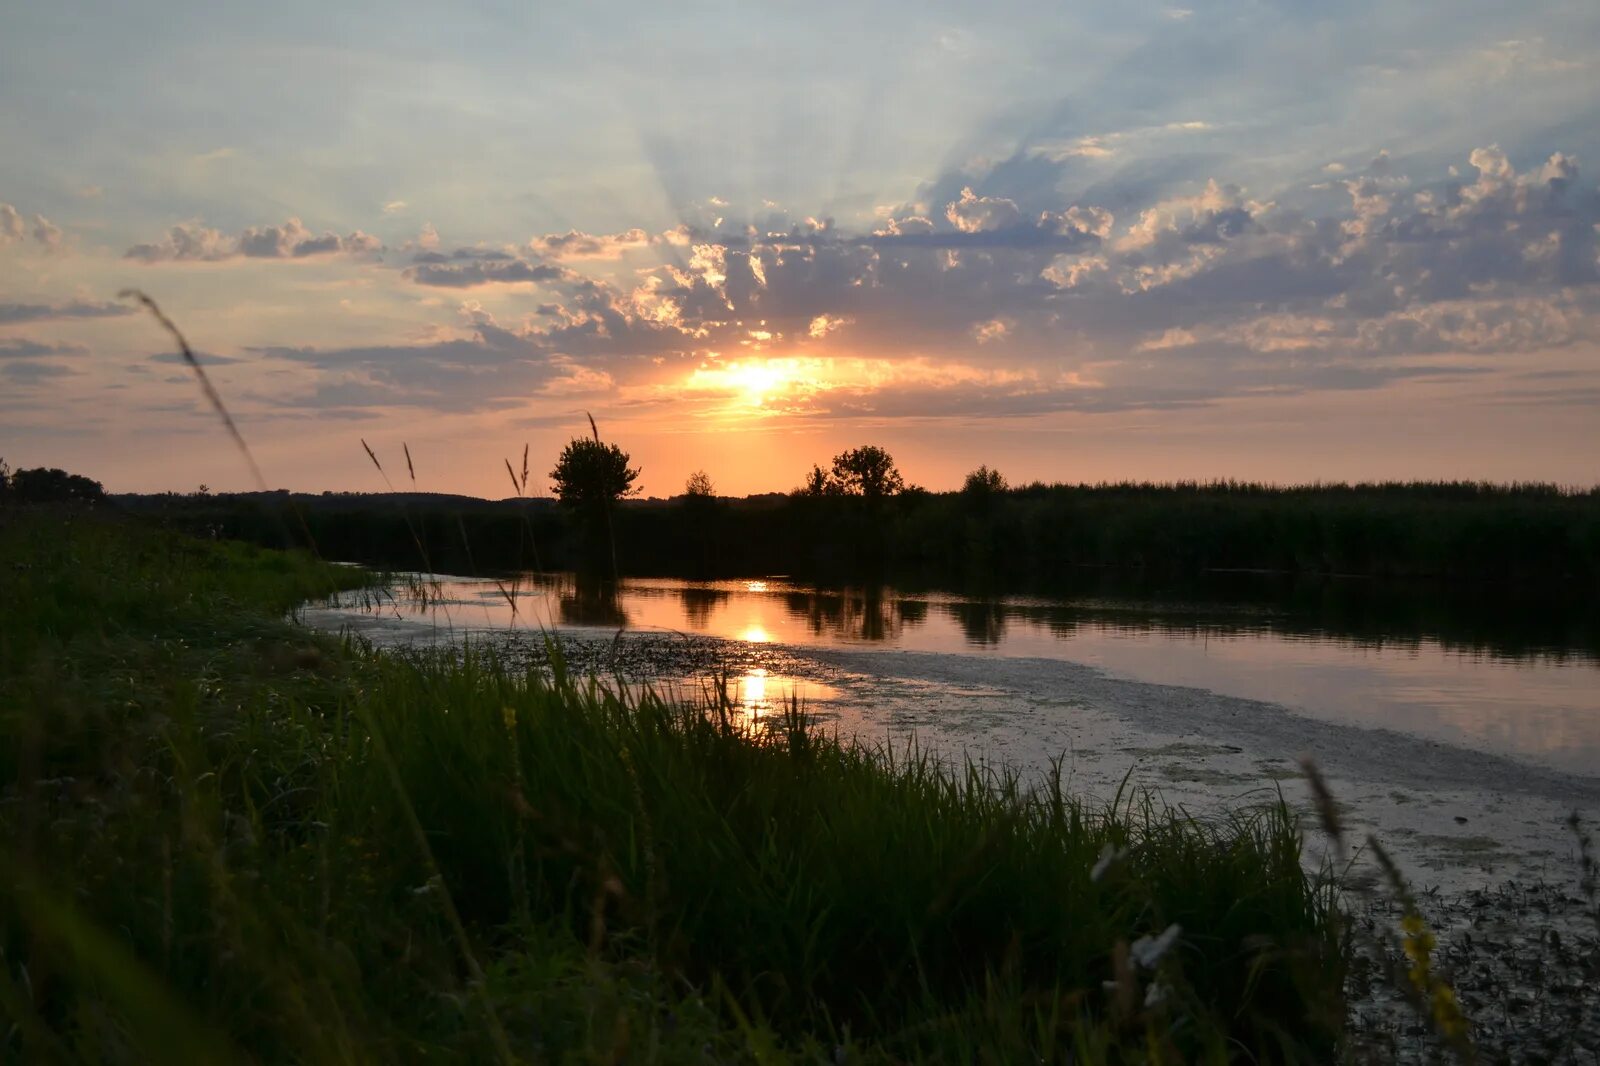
x: 756, y: 381
x: 748, y: 382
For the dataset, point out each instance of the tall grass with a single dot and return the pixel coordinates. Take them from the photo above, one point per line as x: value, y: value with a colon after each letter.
x: 225, y: 838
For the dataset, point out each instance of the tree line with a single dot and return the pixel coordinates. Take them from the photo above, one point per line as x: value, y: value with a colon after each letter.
x: 859, y: 519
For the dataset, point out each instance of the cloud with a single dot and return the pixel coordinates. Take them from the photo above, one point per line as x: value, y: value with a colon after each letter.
x: 24, y: 372
x: 17, y: 312
x: 21, y: 348
x: 14, y: 229
x: 576, y: 245
x: 192, y: 242
x: 205, y: 359
x: 1185, y: 297
x: 469, y: 268
x: 493, y: 368
x: 995, y: 222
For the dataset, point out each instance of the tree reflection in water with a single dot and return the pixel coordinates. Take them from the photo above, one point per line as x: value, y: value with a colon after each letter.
x: 590, y: 601
x: 869, y: 613
x: 698, y: 603
x: 982, y: 621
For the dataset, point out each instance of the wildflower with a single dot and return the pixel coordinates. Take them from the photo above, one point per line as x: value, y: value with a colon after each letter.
x: 1147, y: 950
x: 1109, y: 856
x: 1155, y: 994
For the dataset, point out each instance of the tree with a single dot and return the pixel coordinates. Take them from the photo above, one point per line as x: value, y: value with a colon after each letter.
x: 699, y: 484
x: 819, y: 483
x: 984, y: 482
x: 590, y: 473
x: 867, y: 471
x: 41, y: 485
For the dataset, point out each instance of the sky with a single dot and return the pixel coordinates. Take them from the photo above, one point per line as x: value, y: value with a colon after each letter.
x: 1281, y: 241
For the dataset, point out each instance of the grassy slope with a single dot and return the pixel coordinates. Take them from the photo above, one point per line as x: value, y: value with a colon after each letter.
x: 227, y: 838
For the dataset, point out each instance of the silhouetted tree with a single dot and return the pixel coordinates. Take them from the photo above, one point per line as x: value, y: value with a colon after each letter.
x: 699, y: 484
x: 867, y: 471
x: 592, y: 473
x: 984, y: 482
x: 41, y: 485
x: 819, y: 483
x: 590, y: 476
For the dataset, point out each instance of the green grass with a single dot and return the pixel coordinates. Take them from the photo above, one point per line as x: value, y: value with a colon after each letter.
x: 224, y: 838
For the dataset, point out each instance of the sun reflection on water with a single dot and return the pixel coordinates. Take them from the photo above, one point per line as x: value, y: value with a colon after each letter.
x: 753, y: 693
x: 755, y: 634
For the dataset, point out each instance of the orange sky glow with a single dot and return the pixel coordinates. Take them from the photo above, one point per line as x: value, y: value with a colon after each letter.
x: 1134, y: 243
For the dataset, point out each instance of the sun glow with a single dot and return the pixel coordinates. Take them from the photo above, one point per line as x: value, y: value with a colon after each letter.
x: 755, y: 634
x: 753, y: 383
x: 757, y: 388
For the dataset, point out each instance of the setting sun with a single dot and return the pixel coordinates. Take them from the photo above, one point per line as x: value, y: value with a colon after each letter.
x: 750, y: 382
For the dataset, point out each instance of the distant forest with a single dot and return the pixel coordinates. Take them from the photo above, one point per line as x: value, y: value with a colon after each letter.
x: 986, y: 535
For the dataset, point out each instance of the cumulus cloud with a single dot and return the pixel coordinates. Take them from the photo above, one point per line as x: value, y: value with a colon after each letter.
x: 981, y: 223
x: 14, y: 229
x: 193, y: 242
x: 1190, y: 297
x: 576, y: 245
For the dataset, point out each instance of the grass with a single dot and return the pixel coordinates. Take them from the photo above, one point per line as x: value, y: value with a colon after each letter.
x: 226, y: 838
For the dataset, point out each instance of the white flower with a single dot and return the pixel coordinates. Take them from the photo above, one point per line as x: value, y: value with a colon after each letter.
x: 1147, y: 950
x: 1108, y: 856
x: 1155, y: 994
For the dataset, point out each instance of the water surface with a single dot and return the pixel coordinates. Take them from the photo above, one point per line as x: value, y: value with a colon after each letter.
x: 1491, y: 687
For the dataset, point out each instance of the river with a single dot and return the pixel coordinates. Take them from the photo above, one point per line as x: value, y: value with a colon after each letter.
x: 1463, y: 736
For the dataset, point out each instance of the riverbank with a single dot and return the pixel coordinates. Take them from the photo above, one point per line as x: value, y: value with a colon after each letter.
x: 1484, y: 837
x: 226, y: 833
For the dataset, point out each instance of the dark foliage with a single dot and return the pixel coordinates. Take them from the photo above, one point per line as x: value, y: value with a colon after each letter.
x: 48, y: 485
x: 590, y: 473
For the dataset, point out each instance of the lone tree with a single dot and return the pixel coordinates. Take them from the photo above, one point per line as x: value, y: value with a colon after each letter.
x: 699, y: 484
x: 867, y: 471
x: 590, y: 473
x: 589, y: 477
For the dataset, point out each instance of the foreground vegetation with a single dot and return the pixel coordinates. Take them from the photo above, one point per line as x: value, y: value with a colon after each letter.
x: 225, y: 839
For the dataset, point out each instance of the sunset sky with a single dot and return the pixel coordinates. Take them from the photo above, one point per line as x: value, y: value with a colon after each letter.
x: 1269, y: 240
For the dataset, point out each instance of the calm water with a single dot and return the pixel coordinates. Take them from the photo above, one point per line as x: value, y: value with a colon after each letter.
x: 1471, y: 683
